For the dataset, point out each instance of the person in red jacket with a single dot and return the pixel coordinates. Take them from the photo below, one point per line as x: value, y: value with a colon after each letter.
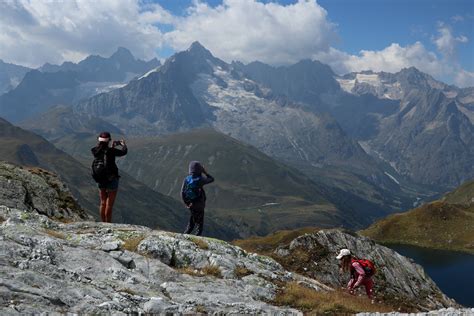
x: 361, y: 272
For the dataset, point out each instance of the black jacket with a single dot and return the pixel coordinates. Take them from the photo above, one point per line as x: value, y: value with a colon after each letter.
x: 110, y: 154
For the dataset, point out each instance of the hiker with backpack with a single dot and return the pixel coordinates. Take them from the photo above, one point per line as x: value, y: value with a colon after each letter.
x: 105, y: 172
x: 194, y: 197
x: 361, y: 271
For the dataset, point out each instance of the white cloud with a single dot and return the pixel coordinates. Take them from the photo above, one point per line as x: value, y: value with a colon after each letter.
x: 390, y: 59
x: 36, y: 31
x: 464, y: 78
x: 249, y: 30
x: 446, y: 42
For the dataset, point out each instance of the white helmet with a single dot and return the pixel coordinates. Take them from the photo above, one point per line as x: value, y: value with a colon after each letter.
x: 343, y: 253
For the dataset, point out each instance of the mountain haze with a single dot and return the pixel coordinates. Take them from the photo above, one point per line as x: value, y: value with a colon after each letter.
x: 10, y: 76
x: 51, y: 85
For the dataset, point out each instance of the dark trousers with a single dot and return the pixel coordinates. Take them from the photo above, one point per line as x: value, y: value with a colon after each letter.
x: 196, y: 218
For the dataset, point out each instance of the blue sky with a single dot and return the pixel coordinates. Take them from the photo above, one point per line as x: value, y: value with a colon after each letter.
x: 436, y: 36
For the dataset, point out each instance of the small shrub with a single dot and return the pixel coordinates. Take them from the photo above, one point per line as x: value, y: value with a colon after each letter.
x: 241, y: 271
x: 1, y: 219
x: 54, y: 233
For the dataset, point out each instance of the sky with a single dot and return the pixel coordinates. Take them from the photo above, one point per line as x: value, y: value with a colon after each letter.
x: 436, y: 36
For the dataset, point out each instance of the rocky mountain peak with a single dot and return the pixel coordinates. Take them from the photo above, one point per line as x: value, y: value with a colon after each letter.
x: 198, y: 48
x: 122, y: 54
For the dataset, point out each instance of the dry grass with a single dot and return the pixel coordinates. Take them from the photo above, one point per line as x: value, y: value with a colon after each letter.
x: 200, y: 243
x: 241, y: 271
x: 200, y: 309
x: 436, y: 225
x: 1, y: 219
x: 190, y: 271
x: 132, y: 243
x: 267, y: 244
x: 54, y: 233
x: 63, y: 220
x: 329, y: 303
x: 212, y: 270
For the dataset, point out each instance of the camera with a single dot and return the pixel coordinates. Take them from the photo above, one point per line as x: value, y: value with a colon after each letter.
x: 116, y: 143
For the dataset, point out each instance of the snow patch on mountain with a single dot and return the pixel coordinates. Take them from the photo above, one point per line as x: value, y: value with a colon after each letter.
x: 235, y: 100
x: 149, y: 72
x: 361, y: 83
x: 392, y: 178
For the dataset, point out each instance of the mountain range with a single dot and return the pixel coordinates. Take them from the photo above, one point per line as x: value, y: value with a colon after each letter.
x: 68, y: 83
x: 420, y: 126
x: 376, y: 142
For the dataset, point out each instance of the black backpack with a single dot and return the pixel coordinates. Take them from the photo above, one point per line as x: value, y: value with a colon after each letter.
x: 99, y: 168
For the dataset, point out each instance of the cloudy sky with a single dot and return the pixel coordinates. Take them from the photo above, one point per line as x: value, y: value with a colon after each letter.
x: 435, y: 36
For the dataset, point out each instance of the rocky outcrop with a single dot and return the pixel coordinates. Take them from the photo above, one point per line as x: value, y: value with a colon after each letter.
x: 35, y: 189
x: 88, y: 267
x: 399, y: 280
x: 51, y: 261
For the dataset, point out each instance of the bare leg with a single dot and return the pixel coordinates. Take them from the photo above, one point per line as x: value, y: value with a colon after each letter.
x: 103, y: 203
x: 110, y: 205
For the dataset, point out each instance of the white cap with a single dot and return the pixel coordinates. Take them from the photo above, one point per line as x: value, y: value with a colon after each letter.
x: 343, y: 253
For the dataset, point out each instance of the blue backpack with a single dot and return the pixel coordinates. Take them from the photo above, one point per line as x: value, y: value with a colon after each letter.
x: 192, y: 190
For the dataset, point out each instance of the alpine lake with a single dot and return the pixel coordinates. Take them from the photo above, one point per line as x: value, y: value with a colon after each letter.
x: 452, y: 271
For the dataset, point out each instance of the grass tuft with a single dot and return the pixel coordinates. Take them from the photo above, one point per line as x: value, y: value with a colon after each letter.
x: 200, y: 243
x: 329, y: 303
x: 241, y: 271
x: 131, y: 244
x: 210, y: 270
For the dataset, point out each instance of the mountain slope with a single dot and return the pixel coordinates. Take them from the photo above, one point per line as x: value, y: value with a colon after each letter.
x: 10, y: 76
x: 444, y: 224
x: 397, y: 117
x: 253, y: 194
x: 136, y: 203
x: 429, y: 135
x: 69, y: 83
x: 195, y: 89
